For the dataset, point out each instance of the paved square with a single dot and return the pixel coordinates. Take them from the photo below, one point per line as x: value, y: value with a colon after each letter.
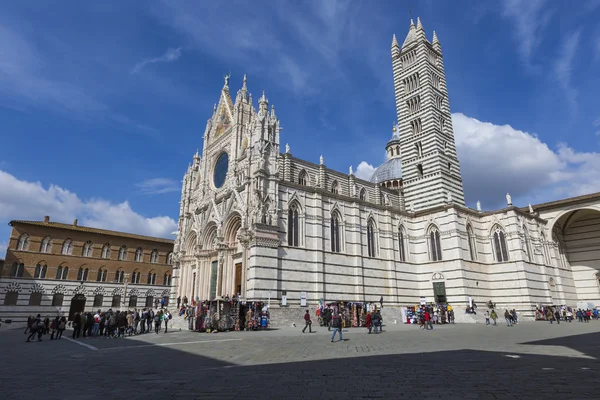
x: 456, y: 361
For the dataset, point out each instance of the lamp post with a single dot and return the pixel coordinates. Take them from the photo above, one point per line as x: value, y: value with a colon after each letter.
x: 125, y: 281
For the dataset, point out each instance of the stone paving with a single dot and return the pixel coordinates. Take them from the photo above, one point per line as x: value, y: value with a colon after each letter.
x: 467, y: 361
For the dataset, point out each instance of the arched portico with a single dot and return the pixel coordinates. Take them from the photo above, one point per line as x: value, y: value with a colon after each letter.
x: 576, y: 252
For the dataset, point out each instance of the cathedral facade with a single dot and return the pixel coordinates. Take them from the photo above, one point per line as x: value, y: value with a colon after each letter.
x: 258, y: 223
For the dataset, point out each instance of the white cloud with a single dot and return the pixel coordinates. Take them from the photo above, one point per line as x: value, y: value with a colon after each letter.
x: 159, y: 186
x: 597, y: 126
x: 364, y: 170
x: 530, y: 17
x: 563, y: 68
x: 499, y: 159
x: 31, y: 201
x: 170, y: 55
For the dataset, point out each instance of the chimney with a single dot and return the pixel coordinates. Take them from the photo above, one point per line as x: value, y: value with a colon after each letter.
x: 75, y: 222
x: 46, y: 218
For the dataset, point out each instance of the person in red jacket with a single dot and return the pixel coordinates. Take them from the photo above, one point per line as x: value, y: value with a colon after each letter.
x: 428, y: 324
x: 369, y: 322
x: 307, y: 322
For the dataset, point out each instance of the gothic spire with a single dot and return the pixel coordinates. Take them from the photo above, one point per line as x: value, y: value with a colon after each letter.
x: 244, y: 87
x: 411, y: 36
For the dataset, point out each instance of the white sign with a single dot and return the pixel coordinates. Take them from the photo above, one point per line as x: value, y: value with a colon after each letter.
x: 284, y: 300
x: 423, y: 301
x: 302, y: 299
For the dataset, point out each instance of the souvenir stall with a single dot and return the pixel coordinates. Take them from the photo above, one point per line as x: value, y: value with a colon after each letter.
x: 353, y: 315
x: 257, y: 316
x: 411, y: 315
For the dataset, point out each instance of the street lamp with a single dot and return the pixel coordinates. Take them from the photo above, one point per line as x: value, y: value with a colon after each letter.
x: 125, y: 281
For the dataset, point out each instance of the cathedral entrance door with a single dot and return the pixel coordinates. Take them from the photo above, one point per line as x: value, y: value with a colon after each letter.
x: 214, y: 270
x: 439, y: 292
x: 238, y: 278
x: 77, y: 305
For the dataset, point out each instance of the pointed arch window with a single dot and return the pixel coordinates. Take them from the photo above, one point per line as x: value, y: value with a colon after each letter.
x: 335, y: 233
x: 472, y: 243
x: 40, y: 271
x: 139, y: 254
x: 167, y: 279
x: 17, y: 270
x: 136, y: 276
x: 120, y: 276
x: 46, y: 246
x: 335, y: 187
x: 82, y: 274
x: 363, y: 194
x: 371, y: 242
x: 67, y: 247
x: 123, y: 253
x: 88, y: 249
x: 401, y: 243
x: 170, y: 258
x: 151, y: 278
x: 293, y: 226
x: 527, y: 239
x: 435, y: 245
x: 302, y: 178
x: 154, y: 256
x: 106, y: 251
x: 102, y: 273
x: 62, y: 273
x: 23, y: 242
x: 500, y: 248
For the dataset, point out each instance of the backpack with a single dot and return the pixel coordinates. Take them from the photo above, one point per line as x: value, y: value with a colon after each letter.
x: 156, y: 318
x: 170, y: 316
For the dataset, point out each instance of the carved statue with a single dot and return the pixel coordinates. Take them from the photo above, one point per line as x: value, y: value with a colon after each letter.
x: 508, y: 199
x: 321, y: 160
x: 287, y: 148
x: 531, y: 209
x: 227, y: 79
x: 449, y: 198
x: 350, y: 172
x: 478, y: 206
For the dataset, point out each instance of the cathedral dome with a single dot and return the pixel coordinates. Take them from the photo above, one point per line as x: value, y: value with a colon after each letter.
x: 389, y: 170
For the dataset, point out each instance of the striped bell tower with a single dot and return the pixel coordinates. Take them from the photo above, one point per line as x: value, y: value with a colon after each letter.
x: 430, y: 168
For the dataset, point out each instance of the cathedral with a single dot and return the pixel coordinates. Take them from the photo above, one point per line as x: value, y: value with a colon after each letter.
x: 258, y: 223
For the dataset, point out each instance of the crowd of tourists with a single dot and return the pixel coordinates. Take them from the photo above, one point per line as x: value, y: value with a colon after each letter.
x: 109, y: 324
x: 567, y: 314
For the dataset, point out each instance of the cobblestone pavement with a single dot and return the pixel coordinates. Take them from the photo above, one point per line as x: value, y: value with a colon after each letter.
x: 458, y: 361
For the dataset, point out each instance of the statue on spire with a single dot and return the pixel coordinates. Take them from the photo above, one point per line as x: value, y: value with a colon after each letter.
x: 226, y: 77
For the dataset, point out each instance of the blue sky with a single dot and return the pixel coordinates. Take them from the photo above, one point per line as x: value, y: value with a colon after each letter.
x: 104, y: 103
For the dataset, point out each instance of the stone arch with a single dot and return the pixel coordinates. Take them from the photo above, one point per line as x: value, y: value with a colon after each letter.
x: 232, y: 225
x: 190, y: 241
x: 207, y: 240
x: 497, y: 226
x: 37, y: 288
x: 437, y: 276
x: 335, y: 210
x: 560, y: 216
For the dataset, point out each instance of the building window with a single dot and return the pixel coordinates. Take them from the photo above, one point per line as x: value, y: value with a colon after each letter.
x: 527, y: 246
x: 435, y: 245
x: 293, y: 228
x: 67, y: 247
x: 82, y: 274
x: 135, y: 276
x: 62, y: 273
x: 120, y: 276
x: 167, y: 279
x: 335, y: 233
x: 10, y: 299
x: 151, y: 278
x: 35, y: 299
x: 57, y: 300
x: 106, y: 251
x: 371, y: 238
x: 154, y: 256
x: 419, y: 148
x: 40, y: 271
x: 87, y: 250
x: 132, y: 301
x: 335, y: 187
x: 116, y: 301
x: 139, y: 254
x: 302, y: 178
x: 101, y: 277
x: 123, y: 253
x: 46, y: 246
x: 17, y: 270
x: 472, y: 243
x: 401, y: 244
x: 149, y: 301
x: 363, y: 194
x: 98, y: 300
x: 23, y: 242
x: 170, y: 258
x: 500, y: 248
x: 419, y: 170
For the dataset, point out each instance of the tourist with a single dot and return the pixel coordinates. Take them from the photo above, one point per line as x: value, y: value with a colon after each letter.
x: 96, y: 329
x: 487, y: 317
x: 369, y: 322
x: 514, y: 315
x: 129, y: 323
x: 494, y: 316
x: 36, y: 326
x: 557, y: 316
x: 61, y: 327
x: 149, y: 319
x: 336, y: 324
x: 307, y: 323
x: 122, y: 323
x: 427, y: 317
x: 166, y: 319
x: 381, y: 301
x: 157, y: 321
x: 507, y: 318
x: 54, y: 326
x: 178, y: 301
x: 30, y: 320
x: 46, y: 325
x: 76, y: 325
